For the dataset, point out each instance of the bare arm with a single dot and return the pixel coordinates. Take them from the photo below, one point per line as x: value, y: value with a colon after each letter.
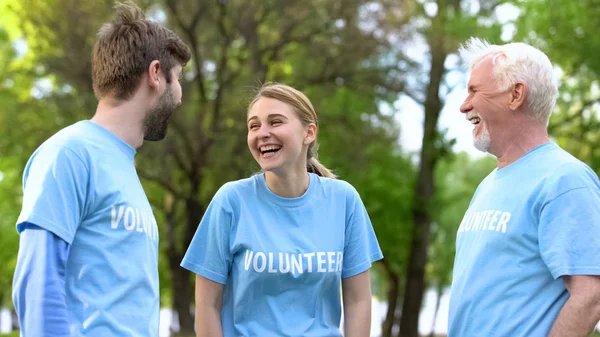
x: 356, y: 292
x: 209, y: 301
x: 581, y: 312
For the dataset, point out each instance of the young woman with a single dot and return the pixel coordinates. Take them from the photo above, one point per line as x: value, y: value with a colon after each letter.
x: 272, y: 250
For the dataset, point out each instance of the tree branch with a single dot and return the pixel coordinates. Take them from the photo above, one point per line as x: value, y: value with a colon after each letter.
x: 287, y: 39
x: 221, y: 66
x: 173, y: 151
x: 187, y: 142
x: 189, y: 31
x: 572, y: 117
x: 160, y: 181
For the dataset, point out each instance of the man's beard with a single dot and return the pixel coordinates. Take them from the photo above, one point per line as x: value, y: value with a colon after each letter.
x: 483, y: 141
x: 157, y: 120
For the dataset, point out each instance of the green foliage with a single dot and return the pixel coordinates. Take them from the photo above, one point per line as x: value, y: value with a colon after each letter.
x: 10, y: 168
x: 564, y: 29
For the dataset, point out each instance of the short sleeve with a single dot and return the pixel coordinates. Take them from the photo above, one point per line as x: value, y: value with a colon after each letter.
x: 209, y: 254
x: 569, y: 233
x: 361, y: 248
x: 55, y: 185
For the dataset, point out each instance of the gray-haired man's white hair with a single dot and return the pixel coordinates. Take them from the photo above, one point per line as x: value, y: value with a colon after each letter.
x: 518, y: 62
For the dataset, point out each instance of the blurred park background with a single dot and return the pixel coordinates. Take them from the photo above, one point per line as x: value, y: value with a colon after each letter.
x: 385, y: 78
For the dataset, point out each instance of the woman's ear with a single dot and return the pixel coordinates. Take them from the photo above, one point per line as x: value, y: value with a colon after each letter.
x: 311, y: 133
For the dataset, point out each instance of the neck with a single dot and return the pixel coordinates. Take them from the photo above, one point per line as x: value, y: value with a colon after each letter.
x: 288, y: 185
x: 124, y: 119
x: 524, y: 137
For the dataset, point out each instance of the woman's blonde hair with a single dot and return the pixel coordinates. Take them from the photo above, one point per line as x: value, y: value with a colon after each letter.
x: 306, y: 112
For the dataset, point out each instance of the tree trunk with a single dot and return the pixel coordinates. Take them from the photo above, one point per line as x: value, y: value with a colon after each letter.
x: 1, y: 306
x: 181, y: 285
x: 439, y: 292
x: 14, y: 319
x: 425, y: 188
x: 182, y: 291
x: 393, y: 294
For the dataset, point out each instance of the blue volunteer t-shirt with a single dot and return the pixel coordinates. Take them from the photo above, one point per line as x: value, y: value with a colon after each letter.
x: 81, y: 185
x: 282, y: 259
x: 528, y: 224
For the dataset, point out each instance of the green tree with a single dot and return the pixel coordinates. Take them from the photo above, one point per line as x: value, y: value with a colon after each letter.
x: 9, y: 173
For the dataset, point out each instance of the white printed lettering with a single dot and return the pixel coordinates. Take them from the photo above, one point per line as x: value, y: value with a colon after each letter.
x: 297, y: 264
x: 469, y: 224
x: 139, y: 227
x: 495, y: 218
x: 134, y: 220
x: 264, y: 262
x: 338, y: 265
x: 271, y: 269
x: 321, y: 262
x: 115, y: 219
x: 330, y: 261
x: 284, y: 267
x: 129, y: 214
x: 487, y: 220
x: 309, y: 257
x: 283, y: 263
x: 503, y: 221
x: 248, y: 259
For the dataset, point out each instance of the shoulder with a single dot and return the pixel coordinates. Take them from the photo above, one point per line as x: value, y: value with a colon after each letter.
x: 566, y: 173
x: 566, y: 166
x: 230, y: 194
x: 66, y: 150
x: 68, y: 143
x: 338, y: 188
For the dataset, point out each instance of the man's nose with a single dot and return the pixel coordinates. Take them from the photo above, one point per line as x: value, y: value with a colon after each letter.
x: 466, y: 106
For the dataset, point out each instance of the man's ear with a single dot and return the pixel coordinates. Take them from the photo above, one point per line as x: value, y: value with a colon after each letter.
x: 518, y: 96
x: 154, y: 71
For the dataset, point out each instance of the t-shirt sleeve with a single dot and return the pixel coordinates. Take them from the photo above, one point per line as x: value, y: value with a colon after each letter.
x: 55, y: 185
x: 209, y: 254
x: 361, y: 248
x: 569, y: 230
